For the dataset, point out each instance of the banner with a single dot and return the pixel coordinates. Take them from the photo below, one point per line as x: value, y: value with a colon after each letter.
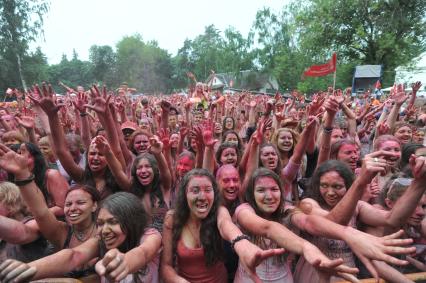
x: 322, y: 70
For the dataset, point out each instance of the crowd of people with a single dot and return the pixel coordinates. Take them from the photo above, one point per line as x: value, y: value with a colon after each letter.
x: 103, y: 186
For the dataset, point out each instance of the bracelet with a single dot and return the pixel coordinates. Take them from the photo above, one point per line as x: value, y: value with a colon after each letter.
x: 237, y: 239
x: 328, y: 130
x: 24, y: 182
x: 82, y: 114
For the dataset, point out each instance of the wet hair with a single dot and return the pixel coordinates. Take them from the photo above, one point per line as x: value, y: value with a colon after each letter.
x: 224, y: 123
x: 224, y: 146
x: 129, y: 212
x: 407, y: 150
x: 40, y: 168
x: 277, y: 170
x: 93, y: 192
x: 225, y: 134
x: 133, y: 137
x: 89, y: 179
x: 335, y: 148
x: 383, y: 138
x: 154, y: 188
x: 209, y: 233
x: 249, y: 196
x: 11, y: 199
x: 329, y: 166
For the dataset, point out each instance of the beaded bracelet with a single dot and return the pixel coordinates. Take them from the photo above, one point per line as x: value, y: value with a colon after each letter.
x: 237, y: 239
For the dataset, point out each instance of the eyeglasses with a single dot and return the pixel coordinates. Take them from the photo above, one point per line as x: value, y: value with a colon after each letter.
x: 401, y: 181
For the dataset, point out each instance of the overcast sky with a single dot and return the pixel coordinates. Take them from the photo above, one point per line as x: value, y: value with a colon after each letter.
x: 79, y: 24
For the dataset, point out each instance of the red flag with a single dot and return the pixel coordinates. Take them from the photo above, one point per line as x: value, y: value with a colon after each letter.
x: 322, y: 70
x: 378, y: 85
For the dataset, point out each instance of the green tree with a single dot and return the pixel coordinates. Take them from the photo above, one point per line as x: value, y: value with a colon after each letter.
x: 144, y: 66
x: 20, y: 23
x: 103, y: 60
x: 387, y: 32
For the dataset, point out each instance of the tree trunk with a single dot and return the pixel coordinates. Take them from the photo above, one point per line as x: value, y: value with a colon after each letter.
x: 21, y: 75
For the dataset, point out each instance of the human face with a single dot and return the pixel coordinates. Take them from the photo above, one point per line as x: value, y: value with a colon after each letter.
x: 110, y: 229
x: 184, y: 165
x: 141, y: 143
x: 144, y: 172
x: 79, y: 207
x: 174, y: 140
x: 349, y: 154
x: 200, y: 196
x: 332, y: 188
x: 96, y: 160
x: 194, y: 145
x: 395, y: 148
x: 198, y: 117
x: 30, y: 159
x: 269, y: 157
x: 229, y: 156
x: 285, y: 141
x: 336, y: 135
x: 418, y: 137
x: 229, y: 184
x: 404, y: 134
x: 229, y: 124
x: 419, y: 214
x: 267, y: 195
x: 217, y: 128
x: 47, y: 151
x: 172, y: 121
x: 293, y: 113
x: 232, y: 138
x: 144, y: 124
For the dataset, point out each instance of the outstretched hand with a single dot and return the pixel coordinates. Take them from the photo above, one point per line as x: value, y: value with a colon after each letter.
x: 15, y: 271
x: 46, y: 99
x: 113, y: 266
x: 100, y: 101
x: 13, y: 162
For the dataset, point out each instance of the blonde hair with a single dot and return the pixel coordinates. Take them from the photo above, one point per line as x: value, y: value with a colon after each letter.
x: 13, y: 135
x: 11, y: 198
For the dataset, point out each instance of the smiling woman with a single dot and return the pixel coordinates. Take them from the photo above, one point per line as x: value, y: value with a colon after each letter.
x: 128, y: 249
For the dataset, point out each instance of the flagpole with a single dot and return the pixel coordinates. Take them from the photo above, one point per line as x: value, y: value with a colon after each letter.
x: 334, y: 80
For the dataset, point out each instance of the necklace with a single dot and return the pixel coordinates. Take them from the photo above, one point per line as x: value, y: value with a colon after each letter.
x: 80, y: 235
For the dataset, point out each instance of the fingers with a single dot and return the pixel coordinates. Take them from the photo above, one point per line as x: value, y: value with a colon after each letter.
x: 348, y: 277
x: 368, y: 264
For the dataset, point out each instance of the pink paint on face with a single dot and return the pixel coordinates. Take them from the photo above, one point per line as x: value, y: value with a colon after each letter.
x: 349, y: 154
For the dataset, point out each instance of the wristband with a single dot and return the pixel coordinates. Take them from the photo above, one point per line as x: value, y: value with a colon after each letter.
x: 82, y: 114
x: 24, y: 182
x: 237, y: 239
x: 328, y: 130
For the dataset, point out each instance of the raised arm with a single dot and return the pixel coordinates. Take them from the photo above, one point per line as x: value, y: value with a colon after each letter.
x: 79, y: 103
x: 404, y: 206
x: 289, y: 173
x: 157, y: 150
x: 373, y: 164
x: 331, y: 106
x: 400, y: 97
x: 48, y: 104
x: 114, y: 165
x: 52, y: 229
